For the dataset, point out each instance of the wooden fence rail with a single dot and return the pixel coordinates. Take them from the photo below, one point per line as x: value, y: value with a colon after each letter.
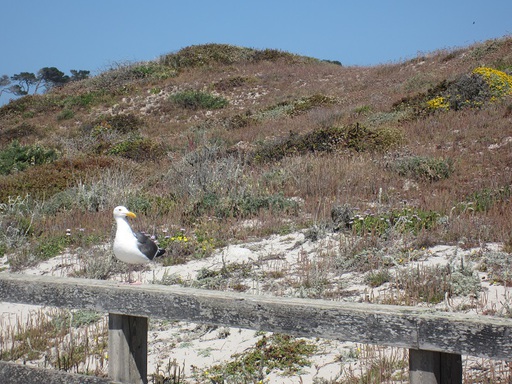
x: 436, y: 340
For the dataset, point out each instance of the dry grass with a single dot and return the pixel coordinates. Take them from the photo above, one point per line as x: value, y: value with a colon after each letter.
x: 378, y: 365
x: 70, y: 341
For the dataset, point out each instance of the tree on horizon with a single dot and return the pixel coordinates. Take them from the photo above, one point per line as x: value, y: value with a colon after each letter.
x: 47, y: 77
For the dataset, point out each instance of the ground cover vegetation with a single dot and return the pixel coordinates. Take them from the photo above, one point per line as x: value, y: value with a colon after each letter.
x: 217, y: 144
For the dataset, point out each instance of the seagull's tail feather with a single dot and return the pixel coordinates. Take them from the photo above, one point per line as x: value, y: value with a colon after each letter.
x: 160, y: 252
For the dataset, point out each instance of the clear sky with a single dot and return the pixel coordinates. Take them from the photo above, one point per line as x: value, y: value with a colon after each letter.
x: 94, y: 35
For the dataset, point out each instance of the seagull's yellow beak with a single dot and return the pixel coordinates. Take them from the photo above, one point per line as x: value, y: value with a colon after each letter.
x: 131, y: 214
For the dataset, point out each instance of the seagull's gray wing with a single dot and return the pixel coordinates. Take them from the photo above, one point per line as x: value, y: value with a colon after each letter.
x: 148, y: 246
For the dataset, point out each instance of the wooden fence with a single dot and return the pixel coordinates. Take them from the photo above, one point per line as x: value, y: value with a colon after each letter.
x: 436, y: 340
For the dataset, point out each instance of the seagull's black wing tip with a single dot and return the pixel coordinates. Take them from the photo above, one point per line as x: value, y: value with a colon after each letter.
x: 148, y: 246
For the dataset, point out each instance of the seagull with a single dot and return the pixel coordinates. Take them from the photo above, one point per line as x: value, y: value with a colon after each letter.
x: 129, y: 246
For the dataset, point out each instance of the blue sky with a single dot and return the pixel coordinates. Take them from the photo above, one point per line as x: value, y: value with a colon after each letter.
x: 94, y: 35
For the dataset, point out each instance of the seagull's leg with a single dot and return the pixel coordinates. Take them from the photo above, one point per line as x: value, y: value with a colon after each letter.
x: 129, y: 274
x: 130, y: 281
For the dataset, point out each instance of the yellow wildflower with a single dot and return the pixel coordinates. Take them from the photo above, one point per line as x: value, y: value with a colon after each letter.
x: 499, y: 82
x: 438, y: 103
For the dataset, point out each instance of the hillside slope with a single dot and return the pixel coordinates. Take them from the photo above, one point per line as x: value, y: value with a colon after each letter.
x: 213, y: 135
x: 270, y: 173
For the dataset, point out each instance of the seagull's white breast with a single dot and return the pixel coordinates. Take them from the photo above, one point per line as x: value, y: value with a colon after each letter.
x: 125, y: 244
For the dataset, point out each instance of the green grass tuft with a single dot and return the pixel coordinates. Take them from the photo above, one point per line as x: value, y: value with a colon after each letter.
x: 275, y: 352
x: 195, y: 100
x: 424, y: 168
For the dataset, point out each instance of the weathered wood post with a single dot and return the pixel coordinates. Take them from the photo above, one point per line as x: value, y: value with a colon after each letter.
x: 429, y: 367
x: 127, y: 348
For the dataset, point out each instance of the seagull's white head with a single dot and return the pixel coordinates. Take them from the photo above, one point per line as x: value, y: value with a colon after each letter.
x: 121, y: 212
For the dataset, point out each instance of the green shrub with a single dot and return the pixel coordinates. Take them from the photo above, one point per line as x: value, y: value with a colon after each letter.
x: 207, y: 55
x: 270, y: 54
x: 83, y: 100
x: 17, y: 157
x: 195, y: 100
x: 179, y: 249
x: 138, y: 149
x: 355, y: 137
x: 386, y: 138
x: 124, y: 124
x: 275, y: 352
x: 61, y: 201
x: 39, y: 249
x: 49, y: 247
x: 114, y: 135
x: 405, y: 220
x: 240, y: 206
x: 66, y: 114
x: 85, y: 198
x: 151, y: 70
x: 335, y: 62
x: 77, y: 318
x: 482, y: 201
x: 481, y: 50
x: 307, y: 103
x: 424, y: 168
x: 238, y: 121
x: 467, y: 91
x: 320, y: 140
x: 486, y: 198
x: 361, y: 138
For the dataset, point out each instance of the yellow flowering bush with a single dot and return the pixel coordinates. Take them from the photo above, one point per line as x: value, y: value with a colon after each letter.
x: 500, y: 84
x: 438, y: 103
x: 473, y: 90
